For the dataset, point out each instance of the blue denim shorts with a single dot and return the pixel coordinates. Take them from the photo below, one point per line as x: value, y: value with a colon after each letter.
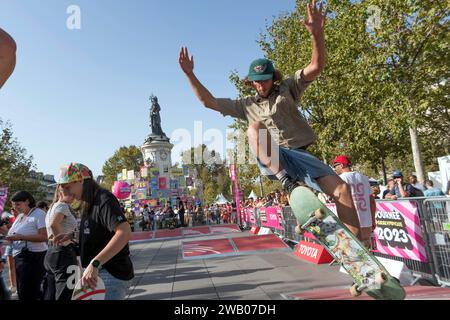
x: 302, y: 165
x: 116, y: 289
x: 8, y: 251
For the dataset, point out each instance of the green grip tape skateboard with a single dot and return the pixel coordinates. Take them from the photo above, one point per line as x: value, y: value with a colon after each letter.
x: 368, y: 273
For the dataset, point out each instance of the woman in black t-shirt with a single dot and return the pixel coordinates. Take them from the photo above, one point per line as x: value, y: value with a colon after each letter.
x: 104, y: 232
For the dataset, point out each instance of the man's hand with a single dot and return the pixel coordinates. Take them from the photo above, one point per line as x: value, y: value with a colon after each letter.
x: 186, y: 62
x: 7, y: 56
x: 315, y: 25
x: 316, y: 20
x: 187, y: 65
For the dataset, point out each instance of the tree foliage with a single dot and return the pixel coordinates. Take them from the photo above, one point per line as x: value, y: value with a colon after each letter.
x: 129, y: 158
x: 16, y: 168
x: 210, y: 171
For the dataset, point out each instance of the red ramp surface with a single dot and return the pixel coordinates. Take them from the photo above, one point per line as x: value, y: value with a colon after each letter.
x: 258, y: 243
x: 167, y: 233
x: 412, y: 293
x: 207, y: 248
x: 184, y: 232
x: 141, y: 236
x: 225, y: 228
x: 202, y: 249
x: 197, y: 231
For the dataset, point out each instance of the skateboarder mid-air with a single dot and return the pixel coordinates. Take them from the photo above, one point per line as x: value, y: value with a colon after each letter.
x: 275, y: 123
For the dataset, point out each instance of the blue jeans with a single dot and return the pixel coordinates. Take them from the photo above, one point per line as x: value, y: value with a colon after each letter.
x: 301, y: 165
x: 116, y: 289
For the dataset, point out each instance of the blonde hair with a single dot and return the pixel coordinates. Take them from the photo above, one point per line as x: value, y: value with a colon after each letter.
x: 57, y: 195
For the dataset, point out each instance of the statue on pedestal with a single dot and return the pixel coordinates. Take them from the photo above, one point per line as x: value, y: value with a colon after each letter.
x: 155, y: 118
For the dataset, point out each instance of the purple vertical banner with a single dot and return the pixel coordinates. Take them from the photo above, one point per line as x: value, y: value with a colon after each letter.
x: 3, y: 197
x: 234, y: 178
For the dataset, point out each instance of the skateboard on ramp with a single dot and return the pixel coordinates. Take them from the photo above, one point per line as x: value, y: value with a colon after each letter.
x: 368, y: 273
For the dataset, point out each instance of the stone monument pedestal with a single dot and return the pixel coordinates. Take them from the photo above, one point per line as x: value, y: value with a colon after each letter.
x: 157, y: 152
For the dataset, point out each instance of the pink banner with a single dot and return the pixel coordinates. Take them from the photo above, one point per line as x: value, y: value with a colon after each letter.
x: 398, y: 232
x: 3, y: 197
x: 251, y: 218
x: 271, y: 217
x: 244, y: 216
x: 234, y: 178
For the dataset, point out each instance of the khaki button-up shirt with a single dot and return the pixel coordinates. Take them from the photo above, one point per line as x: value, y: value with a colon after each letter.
x: 278, y: 112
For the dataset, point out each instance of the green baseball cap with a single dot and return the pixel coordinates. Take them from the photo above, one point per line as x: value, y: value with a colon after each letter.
x: 261, y: 69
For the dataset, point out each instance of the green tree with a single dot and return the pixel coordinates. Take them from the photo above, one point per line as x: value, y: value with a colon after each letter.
x: 15, y: 166
x: 210, y: 171
x: 129, y: 158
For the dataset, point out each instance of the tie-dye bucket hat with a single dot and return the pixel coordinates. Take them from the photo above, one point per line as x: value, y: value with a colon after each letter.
x: 73, y: 172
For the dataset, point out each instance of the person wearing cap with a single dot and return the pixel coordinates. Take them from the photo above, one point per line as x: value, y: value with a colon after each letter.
x: 401, y: 189
x: 276, y: 124
x: 104, y: 232
x: 361, y: 194
x: 7, y: 56
x: 375, y: 188
x: 28, y: 238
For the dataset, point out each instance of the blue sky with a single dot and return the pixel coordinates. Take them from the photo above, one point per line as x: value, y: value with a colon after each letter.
x: 78, y: 95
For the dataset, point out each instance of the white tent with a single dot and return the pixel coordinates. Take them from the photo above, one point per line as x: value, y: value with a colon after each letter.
x: 253, y: 195
x: 220, y: 199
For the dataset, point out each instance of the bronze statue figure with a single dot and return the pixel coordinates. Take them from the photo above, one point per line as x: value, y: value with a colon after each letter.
x: 155, y: 118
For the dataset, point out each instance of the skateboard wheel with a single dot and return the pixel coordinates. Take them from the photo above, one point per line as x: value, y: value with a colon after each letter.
x: 319, y: 214
x: 354, y: 291
x: 381, y: 278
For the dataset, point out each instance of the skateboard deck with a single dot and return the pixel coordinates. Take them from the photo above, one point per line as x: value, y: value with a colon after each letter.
x: 368, y: 273
x: 86, y: 293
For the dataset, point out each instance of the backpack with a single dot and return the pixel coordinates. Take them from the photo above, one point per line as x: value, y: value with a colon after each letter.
x: 416, y: 192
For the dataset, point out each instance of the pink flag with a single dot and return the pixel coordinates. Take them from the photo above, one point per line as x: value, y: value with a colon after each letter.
x: 3, y: 197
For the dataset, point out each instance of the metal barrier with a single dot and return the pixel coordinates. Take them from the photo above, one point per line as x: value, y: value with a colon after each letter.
x: 434, y: 218
x: 289, y: 224
x: 437, y: 226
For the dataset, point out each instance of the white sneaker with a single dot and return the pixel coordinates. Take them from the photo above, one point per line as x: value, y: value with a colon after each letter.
x: 12, y: 289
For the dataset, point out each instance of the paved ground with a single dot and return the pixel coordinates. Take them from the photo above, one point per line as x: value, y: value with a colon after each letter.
x: 161, y: 273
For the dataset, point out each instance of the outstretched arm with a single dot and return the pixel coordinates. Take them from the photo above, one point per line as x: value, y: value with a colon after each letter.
x: 7, y: 56
x: 315, y: 25
x: 187, y: 65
